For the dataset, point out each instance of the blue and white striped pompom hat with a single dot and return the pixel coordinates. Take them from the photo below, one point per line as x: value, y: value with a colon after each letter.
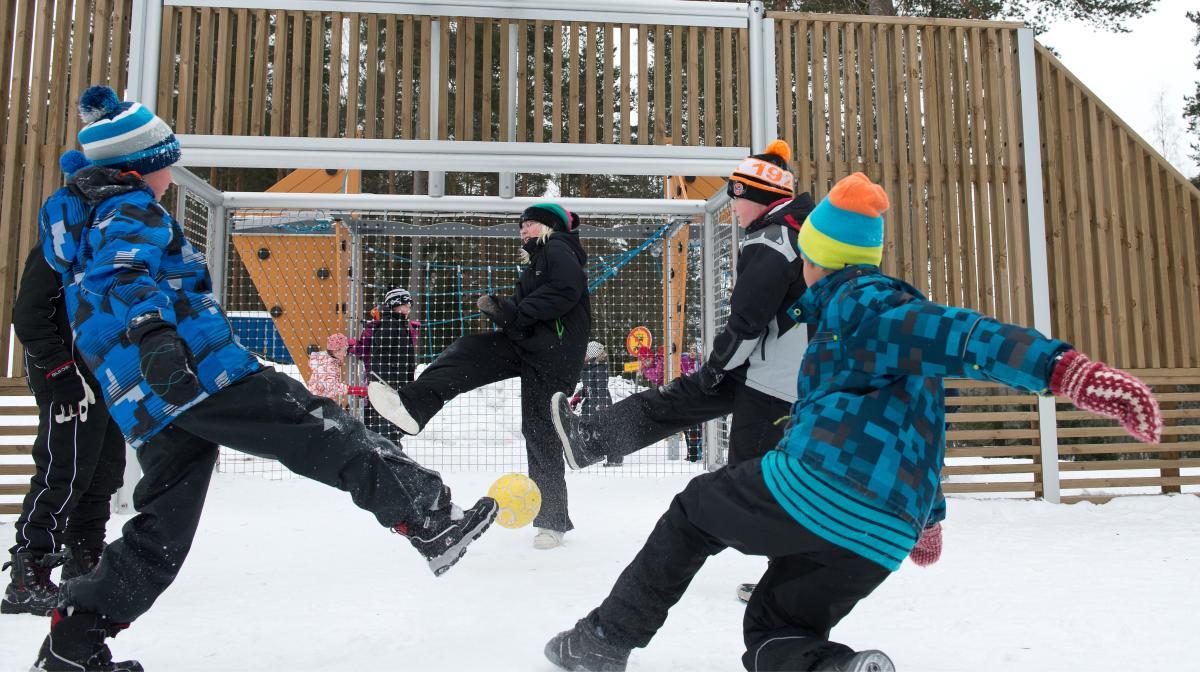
x: 124, y: 135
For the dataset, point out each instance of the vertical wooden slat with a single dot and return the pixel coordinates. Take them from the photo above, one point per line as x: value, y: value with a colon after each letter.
x: 920, y: 174
x: 408, y: 81
x: 100, y: 22
x: 727, y: 101
x: 1128, y: 251
x: 371, y: 87
x: 783, y: 50
x: 60, y: 106
x: 538, y: 102
x: 204, y: 72
x: 316, y: 72
x: 821, y: 118
x: 796, y: 46
x: 743, y: 91
x: 1082, y: 226
x: 279, y: 75
x: 464, y: 72
x: 184, y: 113
x: 1052, y: 194
x: 1145, y: 294
x: 1100, y: 234
x: 241, y: 73
x: 31, y: 166
x: 556, y: 81
x: 607, y: 81
x: 643, y: 90
x: 77, y: 81
x: 391, y: 70
x: 8, y: 16
x: 935, y: 81
x: 262, y: 55
x: 485, y: 82
x: 523, y: 102
x: 711, y: 113
x: 951, y: 152
x: 1110, y: 188
x: 1015, y: 189
x: 625, y: 93
x: 574, y: 71
x: 850, y: 56
x: 118, y: 65
x: 966, y: 193
x: 837, y: 149
x: 1165, y: 284
x: 1180, y: 270
x: 333, y: 107
x: 659, y: 129
x: 1188, y: 220
x: 444, y: 119
x: 589, y: 67
x: 424, y: 123
x: 994, y: 176
x: 868, y: 101
x: 354, y: 72
x: 693, y: 84
x: 903, y: 188
x: 167, y: 74
x: 678, y: 59
x: 11, y: 257
x: 887, y: 100
x: 221, y: 74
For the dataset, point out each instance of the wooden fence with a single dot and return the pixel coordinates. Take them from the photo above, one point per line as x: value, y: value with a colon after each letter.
x: 272, y: 70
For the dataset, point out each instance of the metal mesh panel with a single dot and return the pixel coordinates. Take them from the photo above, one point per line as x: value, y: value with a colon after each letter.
x: 283, y: 267
x: 720, y: 272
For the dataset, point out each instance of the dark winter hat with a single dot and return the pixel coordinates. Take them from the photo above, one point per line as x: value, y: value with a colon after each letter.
x: 552, y: 216
x: 397, y: 297
x: 764, y: 178
x: 124, y: 135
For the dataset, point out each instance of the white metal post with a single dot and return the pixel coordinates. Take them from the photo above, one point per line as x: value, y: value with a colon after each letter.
x: 1038, y: 260
x: 217, y: 250
x: 508, y: 185
x: 437, y: 179
x: 758, y: 135
x: 152, y: 41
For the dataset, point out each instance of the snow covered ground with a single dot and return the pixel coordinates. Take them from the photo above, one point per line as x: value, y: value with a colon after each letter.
x: 288, y: 575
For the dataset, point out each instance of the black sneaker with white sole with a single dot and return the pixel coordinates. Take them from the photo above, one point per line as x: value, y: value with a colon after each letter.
x: 386, y: 401
x: 574, y: 435
x: 584, y: 649
x: 443, y: 538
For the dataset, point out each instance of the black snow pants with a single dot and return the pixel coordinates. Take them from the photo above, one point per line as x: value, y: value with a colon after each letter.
x: 810, y: 584
x: 268, y: 415
x: 473, y: 361
x: 77, y: 468
x: 652, y: 415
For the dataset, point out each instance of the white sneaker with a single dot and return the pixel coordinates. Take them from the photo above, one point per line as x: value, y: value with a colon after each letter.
x: 547, y: 539
x: 387, y: 403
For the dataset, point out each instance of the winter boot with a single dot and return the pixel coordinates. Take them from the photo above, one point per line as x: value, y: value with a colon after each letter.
x: 76, y: 643
x: 744, y: 591
x: 548, y: 539
x: 78, y: 560
x: 443, y: 536
x: 584, y: 649
x: 386, y: 401
x: 869, y: 661
x: 31, y: 591
x: 574, y: 434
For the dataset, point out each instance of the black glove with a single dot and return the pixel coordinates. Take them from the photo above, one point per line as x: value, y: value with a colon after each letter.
x: 710, y: 378
x: 69, y: 394
x: 164, y: 361
x: 501, y: 311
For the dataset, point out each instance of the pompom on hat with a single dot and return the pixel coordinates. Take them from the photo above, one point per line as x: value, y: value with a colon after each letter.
x: 764, y: 178
x: 72, y: 161
x: 124, y: 135
x: 846, y: 228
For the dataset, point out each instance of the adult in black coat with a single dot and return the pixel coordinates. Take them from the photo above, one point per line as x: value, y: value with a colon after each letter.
x: 78, y: 454
x: 542, y: 333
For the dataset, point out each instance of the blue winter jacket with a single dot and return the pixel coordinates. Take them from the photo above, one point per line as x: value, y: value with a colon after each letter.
x: 122, y: 255
x: 861, y: 460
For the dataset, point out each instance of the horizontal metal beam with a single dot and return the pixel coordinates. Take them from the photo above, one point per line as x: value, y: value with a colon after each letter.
x: 439, y: 229
x: 660, y: 12
x: 193, y: 183
x: 276, y: 152
x: 425, y: 204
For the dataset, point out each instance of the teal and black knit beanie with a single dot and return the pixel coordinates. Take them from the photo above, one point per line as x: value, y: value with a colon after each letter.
x: 551, y: 215
x: 124, y: 135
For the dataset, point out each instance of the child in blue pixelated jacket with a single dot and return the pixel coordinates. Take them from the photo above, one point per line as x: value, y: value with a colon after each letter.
x: 854, y: 486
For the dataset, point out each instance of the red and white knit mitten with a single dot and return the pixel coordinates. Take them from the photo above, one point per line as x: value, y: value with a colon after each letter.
x: 1093, y: 386
x: 929, y: 546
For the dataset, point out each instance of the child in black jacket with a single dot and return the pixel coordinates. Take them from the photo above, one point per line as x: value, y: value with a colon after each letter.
x: 542, y: 336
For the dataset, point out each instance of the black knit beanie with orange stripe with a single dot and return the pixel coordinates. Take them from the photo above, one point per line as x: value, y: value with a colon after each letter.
x: 764, y: 178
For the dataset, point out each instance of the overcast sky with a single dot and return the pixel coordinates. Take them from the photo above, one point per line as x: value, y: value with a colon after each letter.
x: 1128, y: 71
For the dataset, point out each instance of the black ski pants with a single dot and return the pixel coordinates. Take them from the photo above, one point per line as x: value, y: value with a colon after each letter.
x: 473, y: 361
x: 268, y: 415
x: 78, y: 465
x: 810, y: 584
x: 652, y: 415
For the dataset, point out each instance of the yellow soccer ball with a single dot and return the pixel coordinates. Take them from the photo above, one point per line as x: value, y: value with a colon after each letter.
x: 519, y: 500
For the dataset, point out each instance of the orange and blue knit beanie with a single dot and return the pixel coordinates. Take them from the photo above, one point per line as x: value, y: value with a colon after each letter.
x: 846, y: 228
x: 764, y: 178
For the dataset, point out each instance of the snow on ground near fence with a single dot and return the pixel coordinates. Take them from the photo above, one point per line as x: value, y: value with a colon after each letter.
x: 288, y: 575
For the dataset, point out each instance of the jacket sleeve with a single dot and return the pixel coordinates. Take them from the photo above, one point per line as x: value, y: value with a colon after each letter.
x: 762, y: 284
x: 130, y: 245
x: 565, y: 284
x: 39, y: 299
x: 932, y: 340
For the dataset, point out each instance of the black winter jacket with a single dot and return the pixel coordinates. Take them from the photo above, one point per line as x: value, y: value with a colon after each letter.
x: 760, y: 343
x: 41, y: 324
x: 553, y: 303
